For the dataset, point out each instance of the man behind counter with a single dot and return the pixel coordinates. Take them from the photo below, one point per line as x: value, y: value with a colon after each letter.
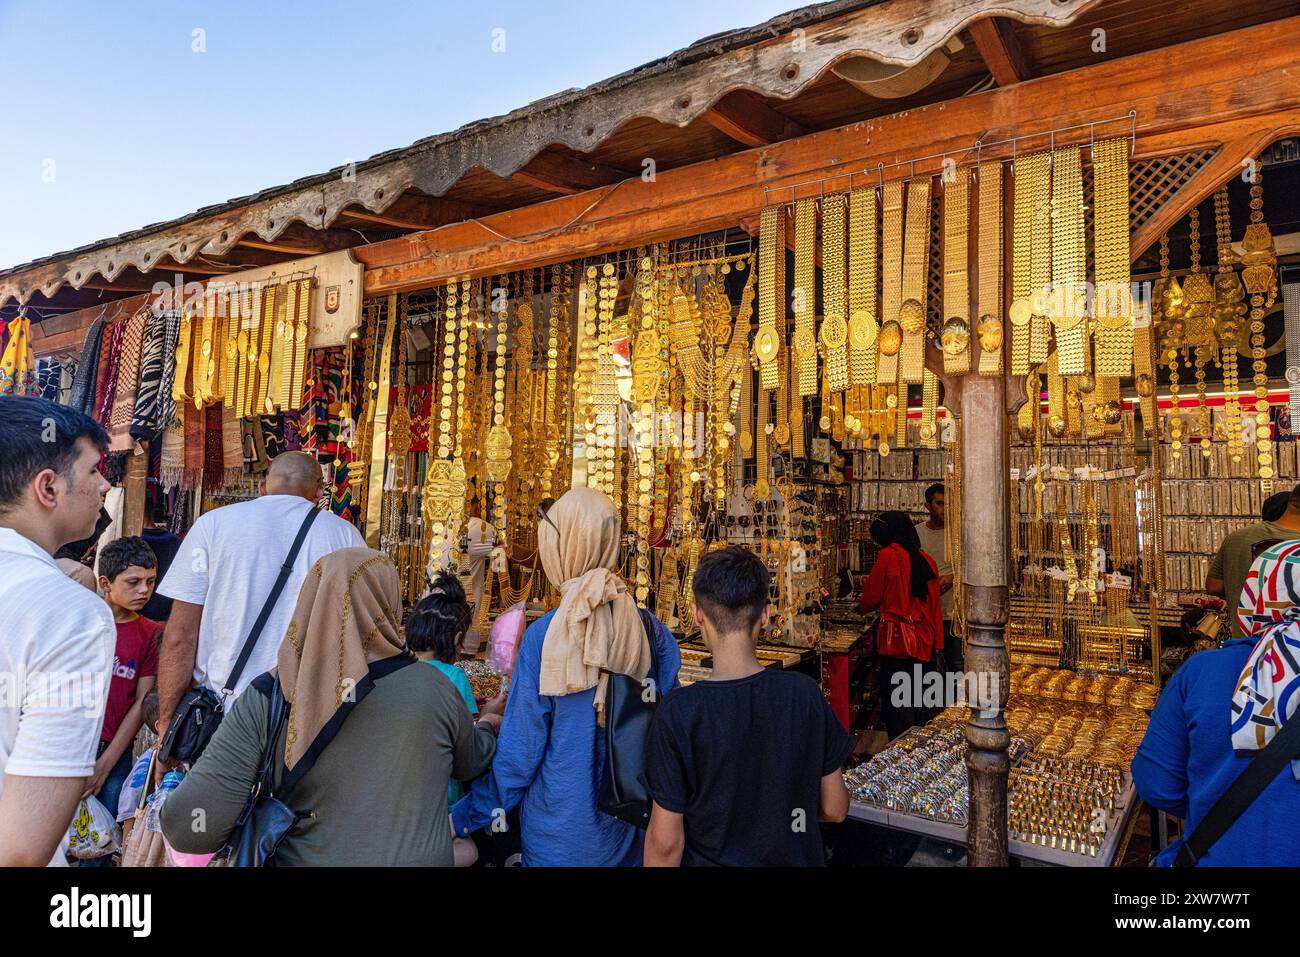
x: 1228, y: 567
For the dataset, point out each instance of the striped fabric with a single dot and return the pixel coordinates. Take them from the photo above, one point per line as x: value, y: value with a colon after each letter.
x: 145, y: 420
x: 1268, y: 689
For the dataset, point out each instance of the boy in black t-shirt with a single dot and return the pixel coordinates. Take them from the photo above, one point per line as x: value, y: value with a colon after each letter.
x: 742, y: 766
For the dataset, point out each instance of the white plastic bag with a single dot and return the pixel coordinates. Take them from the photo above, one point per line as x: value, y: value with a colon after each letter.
x: 93, y: 831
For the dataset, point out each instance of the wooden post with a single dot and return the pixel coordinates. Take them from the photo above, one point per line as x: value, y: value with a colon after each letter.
x: 985, y: 544
x: 134, y: 483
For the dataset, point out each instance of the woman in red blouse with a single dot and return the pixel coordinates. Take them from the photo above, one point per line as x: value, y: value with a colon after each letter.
x: 904, y: 587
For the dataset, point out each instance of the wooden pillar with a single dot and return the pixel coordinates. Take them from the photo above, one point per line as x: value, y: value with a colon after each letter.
x: 134, y: 483
x: 985, y: 544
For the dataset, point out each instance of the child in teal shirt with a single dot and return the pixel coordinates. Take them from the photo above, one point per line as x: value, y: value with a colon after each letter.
x: 435, y: 632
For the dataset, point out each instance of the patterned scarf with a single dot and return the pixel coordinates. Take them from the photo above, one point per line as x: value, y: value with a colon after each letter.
x: 232, y: 446
x: 146, y: 420
x: 106, y: 380
x: 49, y: 376
x: 214, y: 470
x: 1268, y: 690
x: 83, y: 386
x: 194, y: 422
x: 18, y: 364
x: 171, y: 468
x: 127, y: 386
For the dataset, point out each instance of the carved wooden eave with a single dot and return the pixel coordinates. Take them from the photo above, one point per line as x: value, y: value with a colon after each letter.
x: 773, y: 60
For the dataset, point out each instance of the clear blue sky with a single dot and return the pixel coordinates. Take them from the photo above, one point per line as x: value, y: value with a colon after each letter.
x: 110, y: 121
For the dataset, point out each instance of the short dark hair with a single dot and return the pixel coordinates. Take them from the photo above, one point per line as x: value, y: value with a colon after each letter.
x: 121, y: 553
x: 38, y: 435
x: 1275, y: 505
x: 149, y: 709
x: 439, y: 619
x: 932, y: 491
x: 731, y: 588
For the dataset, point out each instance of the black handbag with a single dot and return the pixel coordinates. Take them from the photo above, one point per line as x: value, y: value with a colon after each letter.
x: 624, y: 792
x: 266, y: 820
x: 1241, y: 793
x: 200, y: 710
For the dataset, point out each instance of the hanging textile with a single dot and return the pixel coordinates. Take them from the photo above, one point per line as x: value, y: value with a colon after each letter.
x: 321, y: 427
x: 195, y: 420
x: 106, y: 381
x: 270, y: 436
x: 171, y: 470
x: 83, y: 386
x: 214, y: 469
x: 289, y: 430
x: 146, y: 420
x: 18, y: 364
x: 232, y: 447
x: 127, y: 386
x: 171, y: 336
x: 49, y: 378
x: 421, y: 405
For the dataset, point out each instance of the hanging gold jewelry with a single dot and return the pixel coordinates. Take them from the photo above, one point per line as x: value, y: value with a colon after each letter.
x: 954, y: 335
x: 915, y: 287
x: 835, y: 327
x: 1113, y: 298
x: 1229, y: 321
x: 1259, y: 275
x: 863, y: 266
x: 771, y: 294
x: 804, y: 296
x: 890, y: 339
x: 990, y: 330
x: 1068, y: 302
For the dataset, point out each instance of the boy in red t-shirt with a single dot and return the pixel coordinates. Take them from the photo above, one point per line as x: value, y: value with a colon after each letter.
x: 128, y: 571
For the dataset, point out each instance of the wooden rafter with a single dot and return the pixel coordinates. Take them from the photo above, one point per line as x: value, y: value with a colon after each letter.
x: 560, y: 173
x: 1175, y: 92
x: 421, y: 212
x: 744, y: 117
x: 995, y: 38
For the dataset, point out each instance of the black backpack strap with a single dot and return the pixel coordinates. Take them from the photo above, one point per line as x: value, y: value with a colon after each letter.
x: 648, y: 624
x: 1249, y: 785
x: 269, y: 604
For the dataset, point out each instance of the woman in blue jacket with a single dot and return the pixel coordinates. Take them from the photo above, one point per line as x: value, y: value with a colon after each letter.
x: 551, y: 747
x: 1219, y: 710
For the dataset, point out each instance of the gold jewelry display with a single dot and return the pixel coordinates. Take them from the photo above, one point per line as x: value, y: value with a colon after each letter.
x: 1021, y: 310
x: 915, y: 286
x: 863, y: 267
x: 585, y: 378
x: 804, y: 296
x: 928, y: 431
x: 990, y: 329
x: 264, y: 322
x: 1169, y: 295
x: 301, y: 347
x: 229, y: 351
x: 1198, y: 324
x: 835, y: 327
x: 1112, y: 297
x: 1067, y: 303
x: 498, y: 437
x: 954, y: 334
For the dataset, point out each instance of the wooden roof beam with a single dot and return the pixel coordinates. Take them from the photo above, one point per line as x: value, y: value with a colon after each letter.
x: 561, y: 173
x: 995, y: 38
x: 421, y: 212
x: 744, y: 117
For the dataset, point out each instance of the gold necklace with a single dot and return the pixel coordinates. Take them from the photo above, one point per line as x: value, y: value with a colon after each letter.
x: 1170, y: 331
x: 863, y: 280
x: 1037, y: 170
x: 989, y: 330
x: 1067, y: 304
x: 954, y: 335
x: 1198, y: 326
x: 834, y: 328
x: 889, y: 340
x: 498, y: 437
x: 1259, y: 275
x: 771, y: 293
x: 915, y: 288
x: 804, y: 343
x: 1113, y: 300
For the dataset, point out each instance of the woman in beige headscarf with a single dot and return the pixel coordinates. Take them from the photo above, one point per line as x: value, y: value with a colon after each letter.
x: 369, y: 745
x: 552, y: 749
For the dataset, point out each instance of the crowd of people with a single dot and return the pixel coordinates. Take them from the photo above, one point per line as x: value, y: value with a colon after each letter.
x: 373, y: 736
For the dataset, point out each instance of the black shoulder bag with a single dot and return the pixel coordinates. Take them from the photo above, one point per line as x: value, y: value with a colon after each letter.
x: 624, y: 793
x: 1241, y: 793
x: 266, y: 820
x: 200, y: 709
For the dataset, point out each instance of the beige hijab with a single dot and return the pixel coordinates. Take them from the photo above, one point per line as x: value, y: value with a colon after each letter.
x: 347, y: 617
x: 597, y: 627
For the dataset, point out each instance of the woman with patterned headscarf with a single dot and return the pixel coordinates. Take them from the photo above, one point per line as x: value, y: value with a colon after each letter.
x: 552, y: 749
x: 1220, y: 710
x: 369, y: 745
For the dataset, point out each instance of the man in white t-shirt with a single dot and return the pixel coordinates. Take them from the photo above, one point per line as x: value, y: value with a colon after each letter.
x: 223, y: 573
x: 57, y: 637
x: 932, y: 534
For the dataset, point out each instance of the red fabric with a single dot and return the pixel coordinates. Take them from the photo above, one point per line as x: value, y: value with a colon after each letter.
x: 136, y: 657
x: 889, y: 589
